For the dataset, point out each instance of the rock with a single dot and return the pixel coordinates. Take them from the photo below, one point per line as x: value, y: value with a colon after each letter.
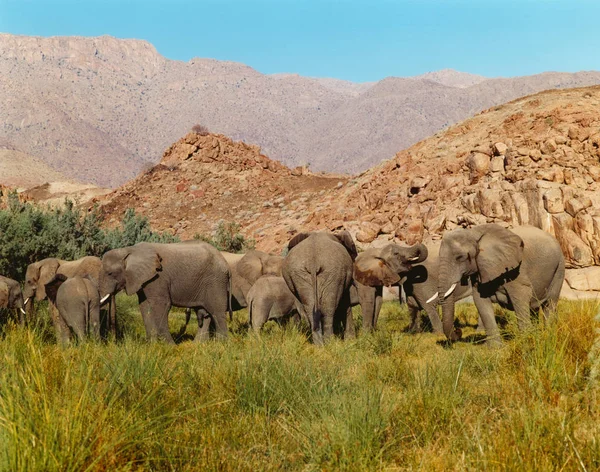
x: 416, y: 184
x: 499, y: 149
x: 478, y: 165
x: 489, y: 203
x: 388, y: 228
x: 497, y: 164
x: 560, y: 140
x: 549, y: 147
x: 437, y: 224
x: 586, y: 279
x: 414, y: 232
x: 523, y: 151
x: 368, y: 232
x: 535, y: 155
x: 297, y: 171
x: 553, y: 202
x: 573, y: 206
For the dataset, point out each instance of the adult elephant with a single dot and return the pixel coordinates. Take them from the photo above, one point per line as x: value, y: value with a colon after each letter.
x: 11, y: 297
x: 40, y: 273
x: 413, y: 267
x: 521, y: 269
x: 184, y: 275
x: 318, y: 271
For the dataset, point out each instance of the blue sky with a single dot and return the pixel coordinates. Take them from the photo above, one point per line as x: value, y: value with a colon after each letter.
x: 346, y: 39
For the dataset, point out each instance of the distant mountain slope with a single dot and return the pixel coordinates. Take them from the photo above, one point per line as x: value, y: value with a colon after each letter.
x: 99, y: 109
x: 20, y: 170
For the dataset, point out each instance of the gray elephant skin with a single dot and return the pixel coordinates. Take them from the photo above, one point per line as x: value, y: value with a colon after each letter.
x: 246, y: 269
x: 78, y: 303
x: 417, y: 268
x: 270, y: 299
x: 11, y: 297
x: 318, y: 271
x: 521, y: 269
x: 39, y: 273
x: 184, y: 275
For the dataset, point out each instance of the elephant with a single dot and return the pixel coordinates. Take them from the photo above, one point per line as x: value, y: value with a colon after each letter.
x: 418, y: 266
x: 247, y: 269
x: 78, y: 302
x: 318, y: 271
x: 39, y: 273
x: 522, y: 269
x: 386, y: 266
x: 270, y: 298
x: 163, y: 275
x: 11, y: 297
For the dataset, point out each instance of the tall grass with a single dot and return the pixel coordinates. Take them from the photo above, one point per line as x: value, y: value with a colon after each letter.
x: 389, y: 400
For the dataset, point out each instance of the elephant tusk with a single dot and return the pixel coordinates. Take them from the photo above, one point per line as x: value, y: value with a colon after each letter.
x: 450, y: 290
x: 23, y: 311
x: 26, y: 300
x: 104, y: 298
x: 435, y: 295
x: 411, y: 259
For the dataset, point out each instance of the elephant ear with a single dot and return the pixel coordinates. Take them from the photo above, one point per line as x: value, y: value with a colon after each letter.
x: 53, y: 286
x: 297, y: 240
x: 345, y: 238
x: 141, y: 265
x: 4, y: 290
x: 250, y: 267
x: 499, y: 251
x: 272, y: 265
x: 47, y: 272
x: 371, y: 269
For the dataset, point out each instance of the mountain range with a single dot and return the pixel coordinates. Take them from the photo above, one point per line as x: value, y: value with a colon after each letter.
x: 102, y: 109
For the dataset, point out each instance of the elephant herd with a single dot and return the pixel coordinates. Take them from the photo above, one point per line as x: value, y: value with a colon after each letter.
x: 319, y: 280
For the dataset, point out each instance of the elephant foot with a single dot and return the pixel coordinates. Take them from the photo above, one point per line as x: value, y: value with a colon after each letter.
x: 494, y: 342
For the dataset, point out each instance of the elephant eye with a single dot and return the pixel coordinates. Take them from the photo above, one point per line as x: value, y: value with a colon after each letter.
x: 460, y: 258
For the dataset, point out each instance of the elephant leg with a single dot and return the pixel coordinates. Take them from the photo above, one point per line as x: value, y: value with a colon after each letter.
x: 155, y: 313
x: 350, y: 330
x: 327, y: 326
x: 94, y: 327
x: 220, y: 322
x: 78, y: 326
x: 204, y: 322
x: 316, y: 320
x: 188, y: 315
x: 486, y: 312
x: 415, y: 316
x: 434, y: 318
x: 520, y: 295
x: 259, y: 314
x: 550, y: 305
x: 480, y: 326
x: 63, y: 333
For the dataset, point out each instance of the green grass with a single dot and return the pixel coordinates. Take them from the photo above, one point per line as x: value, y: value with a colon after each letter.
x: 389, y: 400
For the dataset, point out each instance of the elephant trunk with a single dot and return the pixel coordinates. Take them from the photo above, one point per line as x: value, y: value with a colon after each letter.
x: 416, y: 254
x: 447, y: 299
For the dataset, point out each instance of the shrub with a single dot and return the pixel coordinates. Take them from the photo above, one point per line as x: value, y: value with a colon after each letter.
x: 227, y: 237
x: 200, y: 129
x: 30, y: 232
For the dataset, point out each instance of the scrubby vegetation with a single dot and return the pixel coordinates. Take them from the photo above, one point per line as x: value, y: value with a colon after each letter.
x: 384, y: 401
x: 227, y: 237
x: 30, y: 232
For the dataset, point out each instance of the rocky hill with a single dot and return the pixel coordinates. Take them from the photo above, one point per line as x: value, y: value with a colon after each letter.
x: 99, y: 109
x: 535, y: 160
x: 204, y: 178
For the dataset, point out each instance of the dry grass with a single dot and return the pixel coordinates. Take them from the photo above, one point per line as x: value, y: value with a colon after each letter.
x: 386, y: 401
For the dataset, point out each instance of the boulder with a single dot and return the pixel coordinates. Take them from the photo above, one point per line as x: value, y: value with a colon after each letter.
x: 586, y: 279
x: 553, y: 202
x: 478, y: 164
x: 573, y: 206
x: 549, y: 146
x: 497, y: 164
x: 499, y: 149
x: 368, y: 232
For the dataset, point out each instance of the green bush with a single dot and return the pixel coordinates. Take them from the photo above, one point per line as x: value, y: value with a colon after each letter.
x: 30, y: 232
x: 227, y: 237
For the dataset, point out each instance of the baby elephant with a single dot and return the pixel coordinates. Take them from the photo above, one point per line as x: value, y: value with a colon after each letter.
x: 78, y: 303
x: 270, y: 299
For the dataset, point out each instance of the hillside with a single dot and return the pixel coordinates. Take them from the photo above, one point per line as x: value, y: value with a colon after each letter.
x: 531, y: 161
x: 20, y: 170
x: 99, y: 109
